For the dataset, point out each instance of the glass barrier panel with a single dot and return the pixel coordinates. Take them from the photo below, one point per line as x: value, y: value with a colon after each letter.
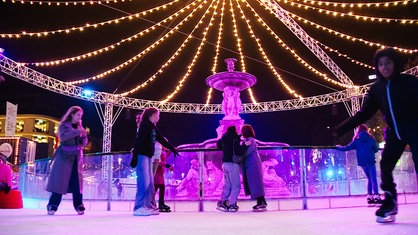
x: 287, y: 173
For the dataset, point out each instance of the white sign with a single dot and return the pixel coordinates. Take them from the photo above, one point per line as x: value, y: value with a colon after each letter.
x: 11, y: 114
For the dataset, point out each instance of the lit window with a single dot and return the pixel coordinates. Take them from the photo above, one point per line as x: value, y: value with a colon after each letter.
x: 20, y: 124
x: 40, y: 125
x: 40, y: 139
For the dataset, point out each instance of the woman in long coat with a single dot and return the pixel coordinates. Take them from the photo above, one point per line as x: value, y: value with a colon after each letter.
x: 66, y: 168
x: 252, y: 169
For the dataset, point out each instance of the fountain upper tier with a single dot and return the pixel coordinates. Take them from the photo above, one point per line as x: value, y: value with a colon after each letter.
x: 231, y: 78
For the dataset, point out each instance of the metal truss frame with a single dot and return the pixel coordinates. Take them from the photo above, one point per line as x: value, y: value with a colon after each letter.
x: 304, y: 37
x: 33, y: 77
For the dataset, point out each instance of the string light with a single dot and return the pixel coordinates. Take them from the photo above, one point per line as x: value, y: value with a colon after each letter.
x: 241, y: 54
x: 355, y: 16
x: 294, y: 54
x: 353, y: 5
x: 349, y: 37
x: 112, y: 46
x: 218, y: 46
x: 171, y: 59
x: 345, y: 56
x: 88, y: 25
x: 265, y: 57
x: 252, y: 96
x: 136, y: 57
x: 195, y: 58
x: 238, y: 39
x: 65, y: 3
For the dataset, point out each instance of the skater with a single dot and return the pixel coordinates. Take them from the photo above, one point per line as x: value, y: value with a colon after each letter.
x: 252, y: 169
x: 143, y: 151
x: 67, y: 163
x: 366, y: 147
x: 159, y: 183
x: 5, y: 175
x: 232, y: 182
x: 396, y: 96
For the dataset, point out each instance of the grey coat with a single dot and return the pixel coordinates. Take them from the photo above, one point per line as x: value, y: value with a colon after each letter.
x: 70, y: 149
x: 252, y: 171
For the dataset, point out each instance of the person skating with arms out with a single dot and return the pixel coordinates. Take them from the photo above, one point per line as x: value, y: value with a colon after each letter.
x: 396, y: 96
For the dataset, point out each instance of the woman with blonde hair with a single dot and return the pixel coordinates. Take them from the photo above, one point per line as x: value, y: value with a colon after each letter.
x: 67, y: 163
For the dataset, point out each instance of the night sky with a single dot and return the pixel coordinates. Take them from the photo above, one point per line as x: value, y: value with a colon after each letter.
x: 299, y: 127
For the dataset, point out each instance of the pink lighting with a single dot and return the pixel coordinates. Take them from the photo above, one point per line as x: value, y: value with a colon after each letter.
x: 231, y: 83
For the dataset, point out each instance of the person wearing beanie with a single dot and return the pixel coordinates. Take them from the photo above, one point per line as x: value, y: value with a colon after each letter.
x: 5, y: 175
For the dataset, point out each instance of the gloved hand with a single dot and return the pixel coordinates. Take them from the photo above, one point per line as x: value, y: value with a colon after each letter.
x: 7, y: 190
x: 134, y: 160
x: 175, y: 153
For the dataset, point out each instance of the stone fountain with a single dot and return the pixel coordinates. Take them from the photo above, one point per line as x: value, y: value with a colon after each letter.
x: 231, y: 83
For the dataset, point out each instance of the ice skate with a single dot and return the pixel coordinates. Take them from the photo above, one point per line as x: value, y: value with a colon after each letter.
x: 80, y: 210
x: 376, y: 199
x: 223, y: 206
x: 164, y: 208
x: 260, y: 207
x: 369, y: 199
x: 388, y: 210
x: 51, y: 210
x: 233, y: 208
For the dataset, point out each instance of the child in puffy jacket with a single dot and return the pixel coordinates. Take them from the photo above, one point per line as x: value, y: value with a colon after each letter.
x: 159, y: 183
x: 366, y: 147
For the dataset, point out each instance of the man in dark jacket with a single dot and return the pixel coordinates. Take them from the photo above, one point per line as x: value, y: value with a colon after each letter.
x: 396, y: 96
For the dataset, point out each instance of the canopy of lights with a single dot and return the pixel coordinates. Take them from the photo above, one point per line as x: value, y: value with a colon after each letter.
x: 164, y: 50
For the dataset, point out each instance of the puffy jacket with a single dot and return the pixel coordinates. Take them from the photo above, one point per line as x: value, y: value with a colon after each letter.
x: 365, y: 147
x: 228, y: 145
x: 397, y: 99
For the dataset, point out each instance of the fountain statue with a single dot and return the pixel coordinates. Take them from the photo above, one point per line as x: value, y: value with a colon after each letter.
x: 231, y: 83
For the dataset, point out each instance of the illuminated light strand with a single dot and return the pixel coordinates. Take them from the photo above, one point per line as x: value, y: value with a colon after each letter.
x: 219, y: 40
x: 345, y: 56
x: 65, y: 3
x: 294, y: 54
x: 195, y: 57
x: 172, y: 58
x: 252, y: 95
x: 218, y: 46
x: 241, y: 54
x: 351, y: 14
x: 349, y: 37
x: 109, y: 47
x: 135, y: 58
x: 238, y: 39
x: 265, y: 57
x: 352, y: 5
x: 209, y: 96
x: 88, y: 25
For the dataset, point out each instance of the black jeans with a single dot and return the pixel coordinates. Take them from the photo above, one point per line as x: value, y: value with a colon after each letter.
x: 161, y: 188
x: 391, y: 153
x: 74, y: 186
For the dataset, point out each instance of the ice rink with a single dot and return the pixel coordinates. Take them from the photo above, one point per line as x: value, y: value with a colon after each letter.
x: 354, y: 220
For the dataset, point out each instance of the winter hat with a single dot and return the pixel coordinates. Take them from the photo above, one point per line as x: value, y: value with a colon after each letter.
x: 5, y: 151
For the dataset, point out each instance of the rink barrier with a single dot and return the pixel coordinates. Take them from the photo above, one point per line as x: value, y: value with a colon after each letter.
x: 296, y: 177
